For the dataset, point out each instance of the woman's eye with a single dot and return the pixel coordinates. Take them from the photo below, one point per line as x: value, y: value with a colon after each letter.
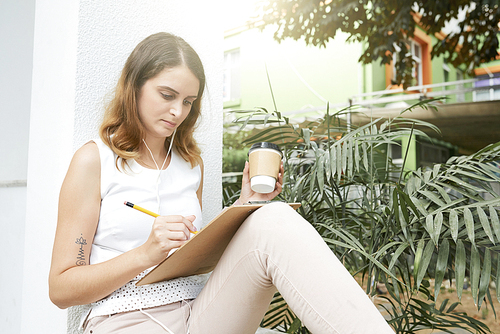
x: 189, y: 103
x: 167, y: 96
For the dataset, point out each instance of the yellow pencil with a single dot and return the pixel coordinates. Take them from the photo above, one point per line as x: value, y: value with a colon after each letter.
x: 137, y: 207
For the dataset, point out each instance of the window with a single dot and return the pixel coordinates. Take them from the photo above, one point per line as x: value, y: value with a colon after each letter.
x: 231, y: 81
x: 419, y: 47
x: 446, y: 72
x: 395, y: 152
x: 416, y: 52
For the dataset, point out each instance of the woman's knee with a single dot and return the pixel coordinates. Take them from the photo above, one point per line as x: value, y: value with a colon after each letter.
x: 275, y: 217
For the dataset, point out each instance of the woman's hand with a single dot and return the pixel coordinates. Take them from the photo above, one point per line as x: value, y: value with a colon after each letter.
x: 247, y: 194
x: 167, y: 233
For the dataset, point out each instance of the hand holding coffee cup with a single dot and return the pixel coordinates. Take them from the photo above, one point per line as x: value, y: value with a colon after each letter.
x: 265, y: 161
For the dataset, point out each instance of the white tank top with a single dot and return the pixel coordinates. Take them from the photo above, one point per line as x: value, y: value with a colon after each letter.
x: 122, y: 228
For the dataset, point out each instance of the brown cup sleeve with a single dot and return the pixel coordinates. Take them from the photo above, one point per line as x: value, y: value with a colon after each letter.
x: 263, y: 162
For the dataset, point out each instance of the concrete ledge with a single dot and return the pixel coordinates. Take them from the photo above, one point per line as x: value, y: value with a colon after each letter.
x: 13, y: 183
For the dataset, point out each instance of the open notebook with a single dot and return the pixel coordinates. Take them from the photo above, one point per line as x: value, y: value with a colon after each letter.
x: 202, y: 252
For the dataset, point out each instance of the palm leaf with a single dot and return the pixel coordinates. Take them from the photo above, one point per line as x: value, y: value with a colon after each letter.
x: 485, y: 223
x: 453, y: 222
x: 441, y: 266
x: 469, y: 225
x: 424, y: 263
x: 460, y: 265
x: 475, y: 267
x: 485, y: 277
x: 497, y: 286
x: 494, y: 220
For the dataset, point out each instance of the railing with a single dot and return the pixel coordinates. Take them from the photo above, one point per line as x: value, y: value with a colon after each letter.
x: 400, y: 95
x: 231, y: 176
x: 418, y: 92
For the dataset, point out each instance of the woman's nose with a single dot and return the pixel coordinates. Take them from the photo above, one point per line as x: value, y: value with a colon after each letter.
x: 176, y: 108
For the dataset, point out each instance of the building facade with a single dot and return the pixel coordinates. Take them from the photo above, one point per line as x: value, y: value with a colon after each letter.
x: 299, y: 81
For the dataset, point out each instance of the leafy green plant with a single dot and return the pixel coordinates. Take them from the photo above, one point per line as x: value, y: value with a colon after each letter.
x: 389, y: 225
x: 234, y: 153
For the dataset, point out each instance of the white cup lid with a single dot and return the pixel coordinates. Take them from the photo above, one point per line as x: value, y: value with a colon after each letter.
x: 263, y: 184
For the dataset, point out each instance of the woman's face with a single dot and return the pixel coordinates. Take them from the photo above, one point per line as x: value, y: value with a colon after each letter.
x: 166, y: 99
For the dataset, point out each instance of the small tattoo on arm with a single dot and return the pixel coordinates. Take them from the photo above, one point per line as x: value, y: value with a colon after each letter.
x: 80, y: 259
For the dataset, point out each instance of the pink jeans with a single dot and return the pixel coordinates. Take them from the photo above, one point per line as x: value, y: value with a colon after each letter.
x: 275, y: 248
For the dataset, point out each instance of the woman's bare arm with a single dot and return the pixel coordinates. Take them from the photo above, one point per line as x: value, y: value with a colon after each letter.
x: 72, y: 281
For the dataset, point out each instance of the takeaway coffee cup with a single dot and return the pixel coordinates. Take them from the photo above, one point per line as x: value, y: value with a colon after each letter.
x: 265, y: 162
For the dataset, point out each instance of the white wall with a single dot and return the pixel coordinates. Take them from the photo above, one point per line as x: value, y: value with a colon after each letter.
x: 16, y: 57
x: 12, y: 207
x: 16, y: 41
x: 79, y: 50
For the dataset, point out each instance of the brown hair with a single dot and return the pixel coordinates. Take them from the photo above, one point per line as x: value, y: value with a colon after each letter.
x: 122, y: 129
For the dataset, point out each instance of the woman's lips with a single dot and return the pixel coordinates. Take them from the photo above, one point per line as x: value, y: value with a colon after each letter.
x: 169, y: 124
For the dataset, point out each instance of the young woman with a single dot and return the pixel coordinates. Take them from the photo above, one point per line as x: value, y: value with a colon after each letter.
x: 146, y: 154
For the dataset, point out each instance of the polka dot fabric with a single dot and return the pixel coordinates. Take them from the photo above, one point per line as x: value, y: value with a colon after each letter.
x: 131, y: 297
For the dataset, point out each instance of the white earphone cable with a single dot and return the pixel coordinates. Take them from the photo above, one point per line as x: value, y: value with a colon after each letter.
x: 151, y: 317
x: 159, y: 207
x: 158, y: 181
